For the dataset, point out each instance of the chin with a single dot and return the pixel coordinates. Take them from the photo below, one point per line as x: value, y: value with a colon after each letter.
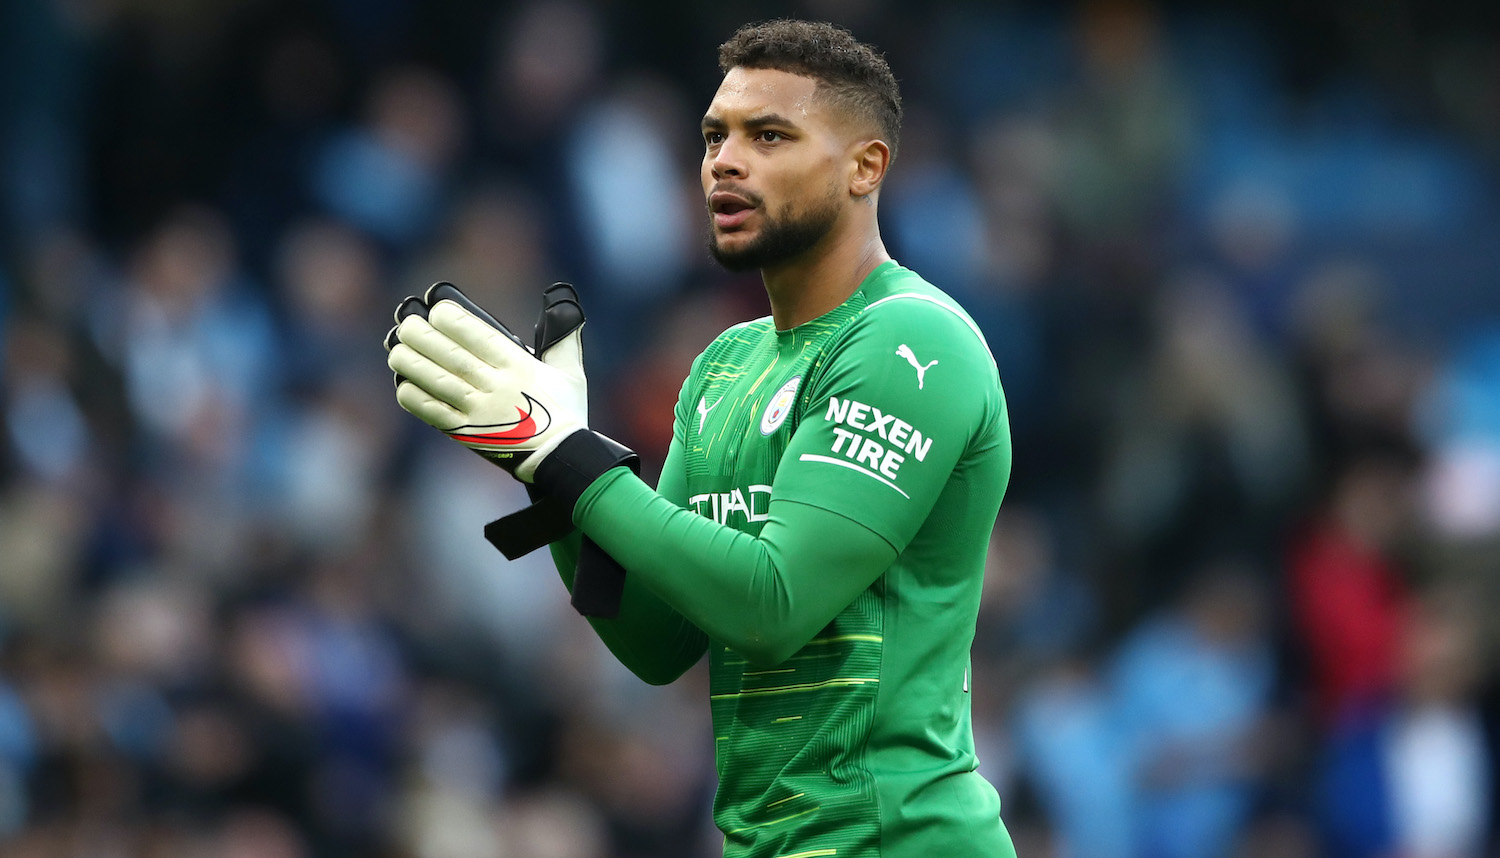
x: 735, y: 256
x: 733, y: 242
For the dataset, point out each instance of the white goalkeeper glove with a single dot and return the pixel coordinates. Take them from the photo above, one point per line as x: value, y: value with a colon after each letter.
x: 524, y: 408
x: 462, y: 371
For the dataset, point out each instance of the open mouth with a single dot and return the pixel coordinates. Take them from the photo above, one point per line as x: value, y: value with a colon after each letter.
x: 729, y: 211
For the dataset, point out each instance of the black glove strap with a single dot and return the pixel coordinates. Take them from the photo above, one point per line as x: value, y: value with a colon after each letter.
x: 567, y: 471
x: 580, y: 459
x: 524, y: 531
x: 598, y: 582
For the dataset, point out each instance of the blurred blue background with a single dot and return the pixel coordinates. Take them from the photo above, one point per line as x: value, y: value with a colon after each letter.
x: 1239, y: 263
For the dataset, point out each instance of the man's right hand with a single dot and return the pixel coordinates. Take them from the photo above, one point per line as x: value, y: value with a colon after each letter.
x: 463, y: 372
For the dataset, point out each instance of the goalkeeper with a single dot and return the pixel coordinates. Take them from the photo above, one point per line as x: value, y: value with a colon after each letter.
x: 821, y: 522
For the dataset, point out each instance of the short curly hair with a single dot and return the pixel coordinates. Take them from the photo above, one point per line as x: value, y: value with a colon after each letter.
x: 852, y: 74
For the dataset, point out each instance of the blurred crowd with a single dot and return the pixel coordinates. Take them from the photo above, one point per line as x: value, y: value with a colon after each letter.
x: 1241, y: 274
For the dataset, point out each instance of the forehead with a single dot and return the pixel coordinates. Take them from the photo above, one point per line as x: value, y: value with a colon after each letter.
x: 746, y: 92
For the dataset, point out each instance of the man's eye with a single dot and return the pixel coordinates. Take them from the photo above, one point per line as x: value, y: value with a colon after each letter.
x: 713, y: 138
x: 770, y: 136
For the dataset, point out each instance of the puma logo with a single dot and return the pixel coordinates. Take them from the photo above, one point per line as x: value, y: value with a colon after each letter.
x: 904, y: 350
x: 704, y: 408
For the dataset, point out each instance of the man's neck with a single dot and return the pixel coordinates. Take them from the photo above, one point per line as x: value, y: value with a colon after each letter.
x: 805, y: 289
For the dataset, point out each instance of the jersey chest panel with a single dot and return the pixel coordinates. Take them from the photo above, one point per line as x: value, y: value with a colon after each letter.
x: 746, y: 407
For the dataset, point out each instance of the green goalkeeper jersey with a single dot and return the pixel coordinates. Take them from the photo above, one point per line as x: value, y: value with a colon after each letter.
x: 820, y: 529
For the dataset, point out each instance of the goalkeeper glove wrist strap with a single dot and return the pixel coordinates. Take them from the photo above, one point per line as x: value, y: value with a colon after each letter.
x: 561, y: 479
x: 571, y: 467
x: 598, y: 582
x: 598, y: 579
x: 547, y: 520
x: 581, y: 458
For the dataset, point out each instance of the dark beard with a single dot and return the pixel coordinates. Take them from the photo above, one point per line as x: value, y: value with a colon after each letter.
x: 780, y: 240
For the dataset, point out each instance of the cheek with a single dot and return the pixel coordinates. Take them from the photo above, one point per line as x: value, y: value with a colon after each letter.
x: 816, y: 191
x: 799, y: 187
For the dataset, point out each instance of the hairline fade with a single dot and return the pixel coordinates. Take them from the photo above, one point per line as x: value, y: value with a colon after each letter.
x: 850, y: 75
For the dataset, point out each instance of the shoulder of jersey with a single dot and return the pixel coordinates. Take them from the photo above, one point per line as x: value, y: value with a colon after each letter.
x: 929, y: 315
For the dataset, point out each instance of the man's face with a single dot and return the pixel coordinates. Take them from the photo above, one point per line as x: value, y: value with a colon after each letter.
x: 775, y: 168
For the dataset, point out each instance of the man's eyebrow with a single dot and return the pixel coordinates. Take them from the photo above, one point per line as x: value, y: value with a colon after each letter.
x: 769, y: 119
x: 761, y: 121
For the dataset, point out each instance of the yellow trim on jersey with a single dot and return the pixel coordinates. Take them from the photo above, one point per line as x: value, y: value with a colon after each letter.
x: 787, y: 689
x: 788, y: 798
x: 773, y: 822
x: 838, y: 638
x: 813, y: 853
x: 746, y: 398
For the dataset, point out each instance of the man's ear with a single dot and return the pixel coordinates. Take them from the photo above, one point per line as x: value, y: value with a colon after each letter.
x: 871, y: 159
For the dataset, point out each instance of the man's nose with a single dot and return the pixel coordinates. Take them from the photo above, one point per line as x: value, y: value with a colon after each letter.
x: 728, y: 160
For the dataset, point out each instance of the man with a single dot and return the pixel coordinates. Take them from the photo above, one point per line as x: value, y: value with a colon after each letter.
x: 821, y: 523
